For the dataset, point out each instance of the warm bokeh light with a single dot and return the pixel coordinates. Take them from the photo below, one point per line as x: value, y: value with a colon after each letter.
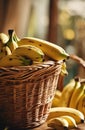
x: 69, y: 34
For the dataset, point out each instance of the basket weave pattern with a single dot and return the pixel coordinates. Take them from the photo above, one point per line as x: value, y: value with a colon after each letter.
x: 26, y: 93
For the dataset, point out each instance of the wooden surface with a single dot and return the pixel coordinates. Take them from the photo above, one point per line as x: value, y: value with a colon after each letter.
x: 44, y: 127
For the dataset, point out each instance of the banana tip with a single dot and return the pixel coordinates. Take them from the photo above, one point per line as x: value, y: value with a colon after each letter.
x: 77, y: 78
x: 65, y: 128
x: 82, y: 121
x: 68, y: 57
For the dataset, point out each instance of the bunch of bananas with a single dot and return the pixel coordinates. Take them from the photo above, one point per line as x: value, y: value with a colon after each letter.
x: 71, y: 98
x: 26, y: 51
x: 64, y: 117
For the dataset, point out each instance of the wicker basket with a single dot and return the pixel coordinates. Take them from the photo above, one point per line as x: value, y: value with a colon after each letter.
x: 26, y: 93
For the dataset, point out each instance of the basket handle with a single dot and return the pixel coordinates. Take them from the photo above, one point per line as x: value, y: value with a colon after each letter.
x: 78, y: 59
x: 61, y: 78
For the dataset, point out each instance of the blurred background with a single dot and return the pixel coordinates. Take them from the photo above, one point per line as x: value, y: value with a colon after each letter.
x: 59, y: 21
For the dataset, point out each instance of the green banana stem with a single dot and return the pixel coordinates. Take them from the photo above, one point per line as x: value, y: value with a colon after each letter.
x: 15, y: 37
x: 11, y: 34
x: 11, y: 43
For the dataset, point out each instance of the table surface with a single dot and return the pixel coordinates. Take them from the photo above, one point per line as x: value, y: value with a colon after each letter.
x: 44, y: 127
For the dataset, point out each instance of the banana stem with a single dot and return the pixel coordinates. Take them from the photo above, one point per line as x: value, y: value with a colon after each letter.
x: 11, y: 33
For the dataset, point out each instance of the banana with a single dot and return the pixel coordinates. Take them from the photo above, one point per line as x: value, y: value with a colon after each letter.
x: 62, y: 111
x: 30, y: 51
x: 64, y: 69
x: 58, y: 123
x: 78, y: 91
x: 55, y: 102
x: 71, y: 121
x: 7, y: 50
x: 2, y: 54
x: 14, y: 60
x: 11, y: 43
x: 81, y: 104
x: 51, y: 50
x: 3, y: 40
x: 56, y: 98
x: 16, y: 38
x: 58, y: 94
x: 66, y: 93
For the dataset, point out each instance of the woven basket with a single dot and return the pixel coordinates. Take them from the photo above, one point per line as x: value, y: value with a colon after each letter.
x: 26, y: 93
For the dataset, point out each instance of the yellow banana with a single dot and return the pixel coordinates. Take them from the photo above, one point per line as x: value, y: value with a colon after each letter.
x: 51, y: 50
x: 7, y: 50
x: 64, y: 69
x: 62, y: 111
x: 66, y: 93
x: 11, y: 43
x: 78, y: 91
x: 58, y: 123
x: 2, y: 53
x: 30, y: 51
x: 13, y: 60
x: 81, y: 104
x: 55, y: 102
x: 56, y: 98
x: 58, y: 94
x: 3, y: 40
x: 71, y: 121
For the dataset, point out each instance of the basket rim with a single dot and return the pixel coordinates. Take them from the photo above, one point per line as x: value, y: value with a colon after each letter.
x: 29, y: 73
x: 38, y: 65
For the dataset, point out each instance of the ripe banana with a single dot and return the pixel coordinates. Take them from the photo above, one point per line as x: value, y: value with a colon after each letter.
x: 2, y: 54
x: 78, y: 91
x: 58, y: 123
x: 66, y: 93
x: 81, y: 104
x: 58, y: 94
x: 3, y: 40
x: 51, y: 50
x: 55, y: 102
x: 56, y: 98
x: 62, y: 111
x: 13, y: 60
x: 71, y: 121
x: 11, y: 43
x: 64, y: 69
x: 30, y: 51
x: 5, y: 51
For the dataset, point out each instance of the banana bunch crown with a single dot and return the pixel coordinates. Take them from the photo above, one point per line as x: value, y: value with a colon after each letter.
x: 11, y: 43
x: 4, y: 50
